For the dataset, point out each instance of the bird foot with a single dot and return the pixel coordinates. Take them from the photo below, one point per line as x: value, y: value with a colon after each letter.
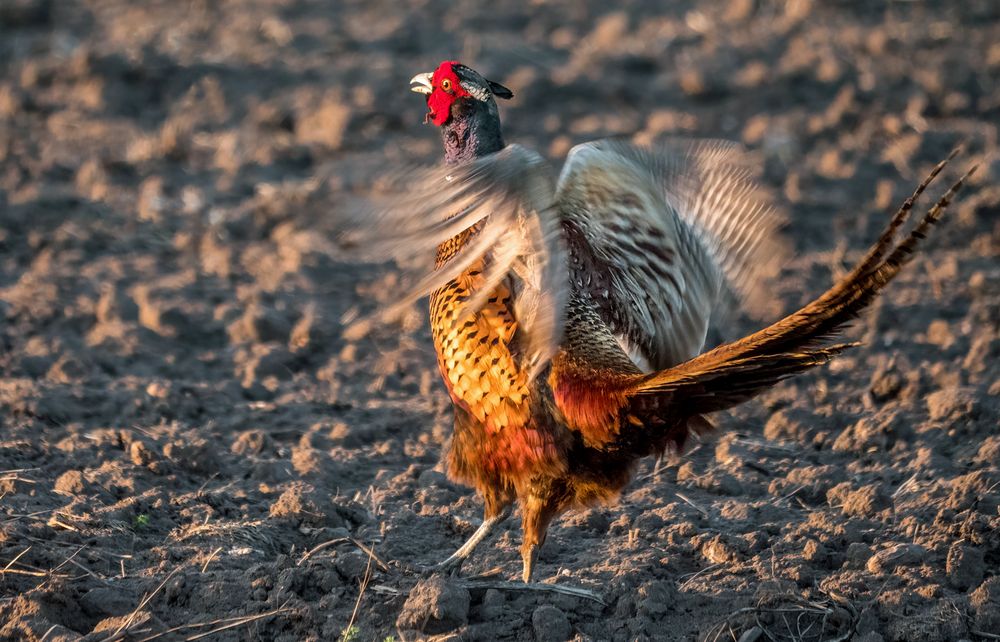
x: 451, y: 566
x: 454, y: 562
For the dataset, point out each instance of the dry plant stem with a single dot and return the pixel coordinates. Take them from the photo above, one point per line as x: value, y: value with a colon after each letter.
x: 694, y: 576
x: 800, y: 608
x: 361, y: 593
x: 535, y: 586
x: 14, y: 561
x: 383, y: 566
x: 122, y: 630
x: 210, y: 558
x: 691, y: 503
x: 227, y: 623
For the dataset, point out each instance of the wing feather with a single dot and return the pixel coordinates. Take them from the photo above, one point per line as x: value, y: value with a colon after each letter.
x: 505, y: 201
x: 673, y: 232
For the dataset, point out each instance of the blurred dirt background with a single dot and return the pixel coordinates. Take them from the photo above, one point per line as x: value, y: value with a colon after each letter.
x: 182, y: 421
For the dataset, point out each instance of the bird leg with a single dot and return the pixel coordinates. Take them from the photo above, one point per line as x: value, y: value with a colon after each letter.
x: 455, y: 560
x: 536, y: 515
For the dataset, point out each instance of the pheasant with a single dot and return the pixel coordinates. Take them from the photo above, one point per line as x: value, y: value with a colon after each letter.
x: 570, y: 312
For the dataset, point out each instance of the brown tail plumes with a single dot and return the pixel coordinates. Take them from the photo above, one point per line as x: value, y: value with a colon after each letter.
x: 734, y: 372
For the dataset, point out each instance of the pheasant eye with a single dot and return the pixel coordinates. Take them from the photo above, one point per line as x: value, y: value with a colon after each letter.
x: 446, y: 84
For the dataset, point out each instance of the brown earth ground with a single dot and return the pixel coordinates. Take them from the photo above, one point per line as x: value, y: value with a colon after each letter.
x: 183, y: 419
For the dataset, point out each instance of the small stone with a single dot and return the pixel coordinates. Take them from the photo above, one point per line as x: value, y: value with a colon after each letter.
x: 550, y: 624
x: 964, y: 566
x: 434, y: 606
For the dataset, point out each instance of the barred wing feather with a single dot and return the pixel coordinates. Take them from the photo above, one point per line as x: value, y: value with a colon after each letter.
x: 506, y: 200
x: 658, y: 238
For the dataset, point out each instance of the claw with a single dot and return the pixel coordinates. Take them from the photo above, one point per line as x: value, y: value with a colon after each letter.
x: 454, y: 561
x: 528, y: 556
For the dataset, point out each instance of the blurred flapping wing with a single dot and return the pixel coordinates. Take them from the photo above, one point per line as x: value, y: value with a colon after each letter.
x: 658, y: 238
x: 504, y: 203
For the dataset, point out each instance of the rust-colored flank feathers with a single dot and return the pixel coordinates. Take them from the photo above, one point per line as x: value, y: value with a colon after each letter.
x: 569, y: 312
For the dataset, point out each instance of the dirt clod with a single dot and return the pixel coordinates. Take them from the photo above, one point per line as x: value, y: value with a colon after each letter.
x: 964, y: 566
x: 550, y: 624
x: 434, y: 606
x: 985, y: 602
x: 70, y: 482
x: 493, y: 605
x: 304, y: 504
x: 887, y: 559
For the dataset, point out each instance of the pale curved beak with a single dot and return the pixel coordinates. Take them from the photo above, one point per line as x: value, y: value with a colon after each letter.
x: 421, y: 83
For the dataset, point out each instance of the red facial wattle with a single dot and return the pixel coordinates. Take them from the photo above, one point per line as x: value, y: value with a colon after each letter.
x: 444, y: 93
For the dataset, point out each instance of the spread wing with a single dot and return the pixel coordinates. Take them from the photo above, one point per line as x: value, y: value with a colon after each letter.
x: 504, y: 205
x: 662, y: 240
x: 618, y: 408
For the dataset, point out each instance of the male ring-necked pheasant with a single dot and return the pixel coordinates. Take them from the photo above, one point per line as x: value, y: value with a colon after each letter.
x: 570, y: 312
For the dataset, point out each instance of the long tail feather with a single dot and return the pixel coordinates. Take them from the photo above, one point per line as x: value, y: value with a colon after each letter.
x: 734, y: 372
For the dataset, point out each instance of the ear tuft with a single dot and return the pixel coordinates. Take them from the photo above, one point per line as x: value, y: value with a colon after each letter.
x: 500, y: 91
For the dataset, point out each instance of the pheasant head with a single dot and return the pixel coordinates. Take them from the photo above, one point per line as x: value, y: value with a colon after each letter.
x: 462, y: 103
